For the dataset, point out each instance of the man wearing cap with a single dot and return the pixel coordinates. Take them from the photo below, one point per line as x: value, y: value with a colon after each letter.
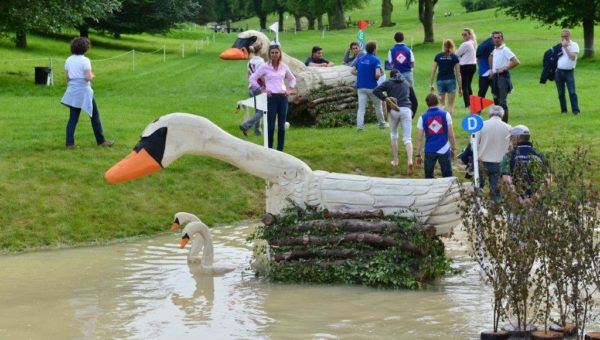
x: 316, y: 59
x: 518, y: 166
x: 492, y: 145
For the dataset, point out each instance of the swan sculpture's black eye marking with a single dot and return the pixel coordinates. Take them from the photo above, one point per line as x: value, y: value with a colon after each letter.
x: 154, y: 144
x: 186, y: 237
x: 176, y: 220
x: 244, y: 42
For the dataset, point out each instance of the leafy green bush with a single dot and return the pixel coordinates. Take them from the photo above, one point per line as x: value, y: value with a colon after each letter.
x: 477, y: 5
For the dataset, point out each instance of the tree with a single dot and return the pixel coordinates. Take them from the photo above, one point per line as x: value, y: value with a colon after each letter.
x: 22, y: 17
x: 151, y: 16
x: 565, y: 13
x: 425, y: 16
x: 335, y: 12
x: 261, y: 9
x: 386, y: 13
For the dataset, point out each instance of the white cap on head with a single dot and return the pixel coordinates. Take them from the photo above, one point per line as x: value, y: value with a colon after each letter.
x: 519, y: 130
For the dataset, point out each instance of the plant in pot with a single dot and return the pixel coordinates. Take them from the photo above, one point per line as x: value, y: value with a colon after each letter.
x: 485, y: 235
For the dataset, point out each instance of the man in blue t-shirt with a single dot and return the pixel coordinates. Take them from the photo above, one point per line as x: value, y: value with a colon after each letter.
x: 402, y: 58
x: 440, y: 146
x: 368, y: 70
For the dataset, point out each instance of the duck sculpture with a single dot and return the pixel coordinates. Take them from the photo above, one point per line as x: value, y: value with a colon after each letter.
x: 307, y: 77
x: 181, y: 219
x: 432, y: 201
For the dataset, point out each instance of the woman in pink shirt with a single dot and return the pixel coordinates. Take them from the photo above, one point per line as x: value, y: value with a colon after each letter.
x: 273, y: 74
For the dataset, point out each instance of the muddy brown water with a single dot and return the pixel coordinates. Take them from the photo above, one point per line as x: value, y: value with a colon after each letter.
x: 146, y: 290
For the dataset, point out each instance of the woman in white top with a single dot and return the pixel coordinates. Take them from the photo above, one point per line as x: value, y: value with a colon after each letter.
x: 468, y: 62
x: 79, y: 94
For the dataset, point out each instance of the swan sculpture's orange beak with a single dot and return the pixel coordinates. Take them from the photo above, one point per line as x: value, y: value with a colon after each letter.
x: 184, y: 241
x: 135, y: 165
x: 234, y: 53
x: 174, y: 226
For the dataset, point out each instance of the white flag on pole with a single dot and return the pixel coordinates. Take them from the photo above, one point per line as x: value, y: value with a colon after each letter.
x: 275, y: 28
x: 261, y: 102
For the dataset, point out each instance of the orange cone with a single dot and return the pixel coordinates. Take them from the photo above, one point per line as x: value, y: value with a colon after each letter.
x: 479, y: 103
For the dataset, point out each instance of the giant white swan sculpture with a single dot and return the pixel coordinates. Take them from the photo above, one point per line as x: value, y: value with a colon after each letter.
x: 199, y: 229
x: 432, y: 201
x: 181, y: 219
x: 307, y: 77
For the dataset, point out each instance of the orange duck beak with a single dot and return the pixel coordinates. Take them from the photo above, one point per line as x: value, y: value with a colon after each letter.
x: 234, y: 53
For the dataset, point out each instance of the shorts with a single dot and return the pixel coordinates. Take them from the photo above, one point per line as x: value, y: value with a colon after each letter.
x: 446, y: 86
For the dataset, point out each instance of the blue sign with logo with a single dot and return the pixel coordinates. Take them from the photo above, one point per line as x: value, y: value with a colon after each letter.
x: 472, y: 123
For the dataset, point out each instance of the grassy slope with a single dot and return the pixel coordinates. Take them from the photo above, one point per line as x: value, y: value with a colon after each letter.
x: 52, y: 197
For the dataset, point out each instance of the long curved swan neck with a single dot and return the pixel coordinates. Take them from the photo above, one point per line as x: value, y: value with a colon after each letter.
x: 185, y: 217
x: 202, y: 230
x: 294, y: 64
x: 190, y: 134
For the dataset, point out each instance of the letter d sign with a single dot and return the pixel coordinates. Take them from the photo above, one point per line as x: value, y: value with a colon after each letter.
x: 472, y: 123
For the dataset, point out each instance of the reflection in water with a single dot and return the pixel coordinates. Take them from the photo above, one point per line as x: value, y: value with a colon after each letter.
x: 147, y: 290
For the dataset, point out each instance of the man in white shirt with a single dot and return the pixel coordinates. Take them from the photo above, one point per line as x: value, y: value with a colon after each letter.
x: 492, y: 145
x: 565, y: 72
x: 502, y: 60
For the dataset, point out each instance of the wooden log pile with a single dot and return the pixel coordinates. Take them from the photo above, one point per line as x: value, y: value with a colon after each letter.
x: 323, y: 102
x: 330, y: 247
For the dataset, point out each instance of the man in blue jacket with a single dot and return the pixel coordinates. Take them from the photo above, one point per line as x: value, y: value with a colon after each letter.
x: 368, y: 71
x: 401, y: 58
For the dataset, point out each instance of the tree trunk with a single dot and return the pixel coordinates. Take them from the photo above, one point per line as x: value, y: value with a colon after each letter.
x: 320, y: 22
x: 117, y: 35
x: 281, y: 12
x: 588, y: 37
x: 338, y: 21
x: 426, y: 18
x: 311, y: 22
x: 21, y: 39
x: 335, y: 253
x: 386, y: 13
x: 298, y: 22
x: 84, y: 31
x: 263, y: 21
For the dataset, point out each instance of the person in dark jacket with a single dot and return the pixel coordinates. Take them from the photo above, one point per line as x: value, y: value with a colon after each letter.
x: 483, y: 65
x: 400, y: 96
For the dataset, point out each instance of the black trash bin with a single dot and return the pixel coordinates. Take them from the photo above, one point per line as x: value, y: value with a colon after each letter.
x: 41, y: 74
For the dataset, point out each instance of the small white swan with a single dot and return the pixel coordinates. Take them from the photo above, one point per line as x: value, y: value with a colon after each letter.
x: 197, y: 228
x: 181, y: 219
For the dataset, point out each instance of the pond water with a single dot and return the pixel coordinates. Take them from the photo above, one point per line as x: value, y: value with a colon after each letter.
x: 146, y: 290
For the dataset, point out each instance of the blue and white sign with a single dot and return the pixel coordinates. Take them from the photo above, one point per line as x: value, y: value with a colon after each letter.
x: 472, y: 123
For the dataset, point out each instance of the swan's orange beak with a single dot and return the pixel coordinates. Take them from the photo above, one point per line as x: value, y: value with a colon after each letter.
x: 234, y: 54
x: 184, y: 241
x: 174, y: 226
x: 135, y: 165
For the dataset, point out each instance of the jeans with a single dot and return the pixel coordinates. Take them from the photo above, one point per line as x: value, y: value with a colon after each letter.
x: 466, y: 73
x: 484, y: 84
x: 501, y: 87
x: 408, y: 76
x: 277, y: 106
x: 563, y: 77
x: 254, y: 121
x: 363, y: 96
x: 492, y: 171
x: 445, y: 164
x: 74, y: 119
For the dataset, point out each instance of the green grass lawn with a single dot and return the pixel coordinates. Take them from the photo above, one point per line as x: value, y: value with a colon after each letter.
x: 50, y: 196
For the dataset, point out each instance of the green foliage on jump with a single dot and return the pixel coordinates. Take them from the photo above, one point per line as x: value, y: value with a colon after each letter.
x: 311, y: 246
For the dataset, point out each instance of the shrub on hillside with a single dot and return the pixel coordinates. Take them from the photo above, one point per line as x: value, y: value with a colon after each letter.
x: 477, y: 5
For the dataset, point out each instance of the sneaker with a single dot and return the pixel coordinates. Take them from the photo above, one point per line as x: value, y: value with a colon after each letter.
x: 564, y: 112
x: 384, y: 126
x: 107, y: 143
x: 244, y: 131
x: 359, y: 129
x: 257, y: 133
x: 575, y: 113
x: 72, y: 147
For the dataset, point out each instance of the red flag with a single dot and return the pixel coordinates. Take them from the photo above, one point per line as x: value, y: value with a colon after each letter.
x: 362, y: 24
x: 479, y: 103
